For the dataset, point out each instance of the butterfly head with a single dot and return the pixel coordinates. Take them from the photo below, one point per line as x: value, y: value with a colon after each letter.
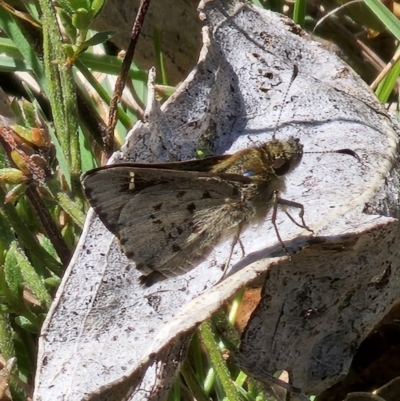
x: 285, y: 155
x: 264, y: 162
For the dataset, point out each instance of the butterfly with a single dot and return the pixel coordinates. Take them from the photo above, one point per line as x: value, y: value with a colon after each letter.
x: 168, y: 216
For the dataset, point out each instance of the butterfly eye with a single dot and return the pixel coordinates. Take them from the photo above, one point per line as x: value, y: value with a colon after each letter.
x: 279, y: 162
x: 282, y: 166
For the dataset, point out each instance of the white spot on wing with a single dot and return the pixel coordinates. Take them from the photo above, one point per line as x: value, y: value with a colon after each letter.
x: 132, y: 180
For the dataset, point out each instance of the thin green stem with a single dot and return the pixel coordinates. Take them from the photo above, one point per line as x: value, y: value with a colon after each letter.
x: 61, y: 91
x: 66, y: 202
x: 210, y: 342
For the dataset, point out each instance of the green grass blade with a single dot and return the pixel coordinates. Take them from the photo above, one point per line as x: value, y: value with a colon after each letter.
x: 388, y: 18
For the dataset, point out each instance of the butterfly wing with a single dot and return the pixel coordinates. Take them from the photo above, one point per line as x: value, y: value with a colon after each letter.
x: 166, y: 220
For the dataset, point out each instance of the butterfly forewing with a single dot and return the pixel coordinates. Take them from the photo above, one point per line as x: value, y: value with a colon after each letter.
x: 166, y: 219
x: 107, y: 190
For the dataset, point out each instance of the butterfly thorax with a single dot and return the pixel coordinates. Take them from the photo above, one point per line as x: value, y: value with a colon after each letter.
x: 265, y: 162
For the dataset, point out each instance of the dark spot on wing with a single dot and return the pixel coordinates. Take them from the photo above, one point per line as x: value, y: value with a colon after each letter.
x: 191, y: 207
x: 129, y: 254
x: 180, y: 194
x: 176, y: 248
x: 206, y: 195
x: 151, y: 216
x: 171, y: 235
x: 157, y: 221
x: 157, y: 207
x: 88, y: 192
x: 144, y: 266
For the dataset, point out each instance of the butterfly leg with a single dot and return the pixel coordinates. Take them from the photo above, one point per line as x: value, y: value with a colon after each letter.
x: 242, y: 248
x: 297, y: 205
x: 235, y: 240
x: 277, y: 200
x: 289, y: 203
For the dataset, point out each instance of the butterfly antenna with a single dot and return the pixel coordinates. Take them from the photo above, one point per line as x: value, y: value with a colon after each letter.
x: 342, y: 151
x: 349, y: 152
x: 294, y: 75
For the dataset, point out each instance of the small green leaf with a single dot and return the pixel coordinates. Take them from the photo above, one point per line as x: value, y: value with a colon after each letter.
x: 12, y: 176
x: 200, y: 154
x: 12, y: 273
x: 15, y: 193
x: 47, y: 245
x: 69, y: 51
x: 52, y: 282
x: 73, y: 5
x: 26, y: 324
x: 6, y: 337
x: 82, y: 19
x: 29, y: 113
x: 97, y: 6
x: 25, y: 133
x: 67, y: 24
x: 32, y: 280
x: 5, y: 308
x: 99, y: 37
x: 66, y: 202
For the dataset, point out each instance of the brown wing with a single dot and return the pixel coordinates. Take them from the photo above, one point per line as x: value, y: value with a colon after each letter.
x: 165, y: 219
